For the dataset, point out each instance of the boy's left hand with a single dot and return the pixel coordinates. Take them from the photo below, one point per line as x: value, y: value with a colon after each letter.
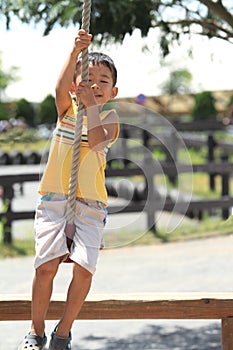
x: 85, y: 94
x: 82, y: 40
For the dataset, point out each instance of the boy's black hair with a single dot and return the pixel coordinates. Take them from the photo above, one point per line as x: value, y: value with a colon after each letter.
x: 98, y: 58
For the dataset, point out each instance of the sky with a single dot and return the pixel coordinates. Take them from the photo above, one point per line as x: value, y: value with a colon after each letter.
x: 40, y: 60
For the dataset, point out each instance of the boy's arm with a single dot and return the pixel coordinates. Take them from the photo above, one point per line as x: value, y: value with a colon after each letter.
x: 65, y: 79
x: 101, y: 133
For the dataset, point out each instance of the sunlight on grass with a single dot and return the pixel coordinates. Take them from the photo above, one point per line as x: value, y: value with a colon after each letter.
x: 196, y: 230
x: 17, y: 248
x: 202, y: 229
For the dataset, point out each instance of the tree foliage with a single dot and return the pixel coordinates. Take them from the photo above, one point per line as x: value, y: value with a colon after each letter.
x: 178, y: 82
x: 25, y: 110
x: 7, y: 77
x: 112, y: 20
x: 204, y: 106
x: 47, y: 112
x: 3, y: 112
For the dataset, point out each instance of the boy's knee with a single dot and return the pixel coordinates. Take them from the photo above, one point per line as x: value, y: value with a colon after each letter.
x: 81, y: 272
x: 48, y: 269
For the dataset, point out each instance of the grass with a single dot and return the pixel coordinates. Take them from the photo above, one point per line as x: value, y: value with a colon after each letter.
x: 17, y: 248
x: 204, y: 229
x: 194, y: 230
x: 21, y: 147
x: 20, y: 140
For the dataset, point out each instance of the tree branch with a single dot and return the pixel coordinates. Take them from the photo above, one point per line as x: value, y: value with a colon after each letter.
x: 210, y: 25
x: 218, y: 9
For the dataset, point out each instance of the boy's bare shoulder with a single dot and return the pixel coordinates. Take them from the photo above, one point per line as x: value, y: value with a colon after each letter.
x: 111, y: 116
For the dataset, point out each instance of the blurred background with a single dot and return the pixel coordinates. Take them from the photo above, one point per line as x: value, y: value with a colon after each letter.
x: 169, y: 176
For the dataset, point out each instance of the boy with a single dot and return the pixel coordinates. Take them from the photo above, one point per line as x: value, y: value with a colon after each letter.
x: 100, y: 130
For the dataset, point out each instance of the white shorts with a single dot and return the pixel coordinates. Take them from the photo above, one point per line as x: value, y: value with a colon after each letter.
x: 50, y: 236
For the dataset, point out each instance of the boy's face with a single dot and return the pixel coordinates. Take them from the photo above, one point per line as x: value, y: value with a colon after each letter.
x: 100, y: 82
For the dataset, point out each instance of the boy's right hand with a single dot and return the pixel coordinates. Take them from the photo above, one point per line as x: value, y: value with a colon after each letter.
x: 82, y: 40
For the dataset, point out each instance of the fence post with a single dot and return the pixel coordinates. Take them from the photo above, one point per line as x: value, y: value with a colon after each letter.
x: 146, y: 139
x: 225, y: 187
x: 124, y: 144
x: 150, y: 204
x: 149, y: 181
x: 227, y: 333
x: 171, y: 152
x: 211, y: 146
x: 8, y: 194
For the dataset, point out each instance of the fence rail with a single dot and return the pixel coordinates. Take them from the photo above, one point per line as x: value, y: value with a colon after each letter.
x: 150, y: 204
x: 128, y: 159
x: 135, y: 306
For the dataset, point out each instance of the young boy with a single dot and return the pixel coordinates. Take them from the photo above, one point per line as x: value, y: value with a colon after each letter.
x: 100, y: 130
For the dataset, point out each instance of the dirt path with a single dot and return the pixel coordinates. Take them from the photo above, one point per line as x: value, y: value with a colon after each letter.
x: 202, y: 265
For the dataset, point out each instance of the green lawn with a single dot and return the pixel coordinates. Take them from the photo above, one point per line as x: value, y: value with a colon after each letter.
x: 197, y: 230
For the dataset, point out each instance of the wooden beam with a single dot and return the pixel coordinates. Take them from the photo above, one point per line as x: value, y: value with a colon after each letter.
x: 132, y: 306
x: 227, y: 333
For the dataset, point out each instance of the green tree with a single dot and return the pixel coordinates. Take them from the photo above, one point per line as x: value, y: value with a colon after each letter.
x: 204, y: 106
x: 7, y: 77
x: 229, y: 111
x: 25, y: 110
x: 113, y: 19
x: 230, y: 102
x: 47, y: 112
x: 3, y: 111
x: 178, y: 82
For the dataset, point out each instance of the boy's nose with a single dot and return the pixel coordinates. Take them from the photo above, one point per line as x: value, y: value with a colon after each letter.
x: 95, y: 86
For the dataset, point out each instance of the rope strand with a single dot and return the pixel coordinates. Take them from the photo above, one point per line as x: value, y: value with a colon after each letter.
x: 70, y: 210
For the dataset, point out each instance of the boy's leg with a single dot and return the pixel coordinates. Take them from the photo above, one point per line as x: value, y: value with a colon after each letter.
x: 41, y: 294
x: 78, y: 290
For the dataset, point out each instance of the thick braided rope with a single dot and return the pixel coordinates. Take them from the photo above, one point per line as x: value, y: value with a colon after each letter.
x: 70, y: 211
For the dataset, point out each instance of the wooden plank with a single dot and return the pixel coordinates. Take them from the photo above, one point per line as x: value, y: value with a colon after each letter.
x: 21, y: 169
x: 227, y: 333
x: 22, y: 173
x: 169, y: 205
x: 169, y: 168
x: 18, y: 215
x: 144, y: 306
x: 134, y: 207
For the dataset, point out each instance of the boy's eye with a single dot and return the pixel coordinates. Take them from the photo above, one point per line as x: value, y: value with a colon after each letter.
x: 104, y: 81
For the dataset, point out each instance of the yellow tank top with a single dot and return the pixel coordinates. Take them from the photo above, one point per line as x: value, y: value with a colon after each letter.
x: 91, y: 176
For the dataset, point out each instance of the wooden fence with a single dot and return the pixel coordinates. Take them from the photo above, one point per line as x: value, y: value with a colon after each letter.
x: 183, y: 306
x: 133, y: 156
x: 150, y: 204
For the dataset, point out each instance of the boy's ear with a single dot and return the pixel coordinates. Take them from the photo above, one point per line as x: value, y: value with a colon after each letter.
x: 114, y: 92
